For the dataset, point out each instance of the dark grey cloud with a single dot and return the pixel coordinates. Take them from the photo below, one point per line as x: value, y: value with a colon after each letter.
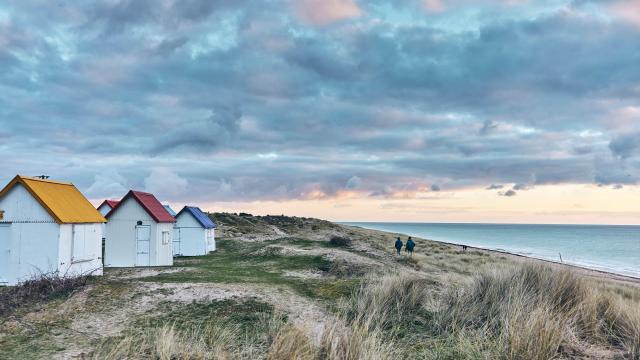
x: 508, y: 193
x: 625, y: 145
x: 228, y: 101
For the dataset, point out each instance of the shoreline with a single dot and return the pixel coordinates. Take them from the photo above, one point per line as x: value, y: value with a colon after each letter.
x: 587, y: 271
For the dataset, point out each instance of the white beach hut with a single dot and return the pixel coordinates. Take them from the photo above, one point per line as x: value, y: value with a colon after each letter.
x: 104, y: 209
x: 107, y: 206
x: 194, y: 233
x: 47, y: 226
x: 139, y: 232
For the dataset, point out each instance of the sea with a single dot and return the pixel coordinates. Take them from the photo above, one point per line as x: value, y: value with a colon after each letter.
x: 611, y: 248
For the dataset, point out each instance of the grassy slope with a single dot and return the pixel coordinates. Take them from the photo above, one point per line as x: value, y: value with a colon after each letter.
x: 256, y: 257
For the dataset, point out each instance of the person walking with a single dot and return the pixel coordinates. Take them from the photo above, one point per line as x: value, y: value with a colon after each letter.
x: 410, y: 246
x: 398, y: 245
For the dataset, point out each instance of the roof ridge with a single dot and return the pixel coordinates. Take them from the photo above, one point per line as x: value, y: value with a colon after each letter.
x: 45, y: 180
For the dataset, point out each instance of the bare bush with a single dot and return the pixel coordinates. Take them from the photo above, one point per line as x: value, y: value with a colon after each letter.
x: 340, y: 241
x: 40, y: 288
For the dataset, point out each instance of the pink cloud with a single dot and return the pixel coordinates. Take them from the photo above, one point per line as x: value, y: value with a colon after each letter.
x: 628, y: 10
x: 434, y: 5
x: 323, y: 12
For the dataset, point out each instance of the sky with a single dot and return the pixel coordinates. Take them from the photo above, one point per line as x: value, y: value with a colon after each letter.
x: 366, y: 110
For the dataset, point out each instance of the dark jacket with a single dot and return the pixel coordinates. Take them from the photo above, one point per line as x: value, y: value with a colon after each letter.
x: 398, y: 244
x: 410, y: 245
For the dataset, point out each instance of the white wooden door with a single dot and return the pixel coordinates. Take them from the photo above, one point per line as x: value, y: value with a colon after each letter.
x: 143, y: 245
x: 5, y: 251
x: 176, y: 242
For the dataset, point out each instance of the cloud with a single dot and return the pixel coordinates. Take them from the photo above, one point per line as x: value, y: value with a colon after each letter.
x: 225, y: 96
x: 628, y: 10
x: 202, y: 135
x: 354, y: 183
x: 435, y: 187
x: 166, y: 183
x: 108, y: 184
x: 626, y: 145
x: 323, y: 12
x: 508, y: 193
x: 434, y: 5
x: 487, y: 127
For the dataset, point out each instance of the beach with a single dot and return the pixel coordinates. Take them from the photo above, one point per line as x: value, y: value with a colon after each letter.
x: 585, y: 271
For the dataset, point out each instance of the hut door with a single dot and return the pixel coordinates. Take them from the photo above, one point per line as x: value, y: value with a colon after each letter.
x: 5, y: 251
x: 176, y: 242
x: 143, y: 242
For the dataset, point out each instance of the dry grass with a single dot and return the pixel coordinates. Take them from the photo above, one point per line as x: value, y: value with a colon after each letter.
x: 292, y: 343
x: 40, y: 289
x: 353, y: 342
x: 527, y: 312
x: 535, y: 312
x: 214, y: 339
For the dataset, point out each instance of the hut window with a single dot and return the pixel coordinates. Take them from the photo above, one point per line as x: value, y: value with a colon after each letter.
x: 166, y: 237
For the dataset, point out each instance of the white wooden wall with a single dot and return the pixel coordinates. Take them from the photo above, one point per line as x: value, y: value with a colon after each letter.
x: 33, y: 240
x: 91, y: 263
x: 193, y: 238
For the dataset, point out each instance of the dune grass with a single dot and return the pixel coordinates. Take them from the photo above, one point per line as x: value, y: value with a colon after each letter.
x: 526, y: 312
x: 530, y: 312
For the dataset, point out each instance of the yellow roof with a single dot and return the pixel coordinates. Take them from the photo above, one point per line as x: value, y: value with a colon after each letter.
x: 63, y: 201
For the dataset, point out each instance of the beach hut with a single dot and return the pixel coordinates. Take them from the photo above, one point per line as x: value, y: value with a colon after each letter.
x: 107, y: 206
x: 194, y: 233
x: 45, y: 227
x: 139, y: 232
x: 169, y: 210
x: 104, y: 209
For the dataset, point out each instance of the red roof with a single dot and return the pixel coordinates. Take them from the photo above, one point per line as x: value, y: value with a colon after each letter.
x: 150, y: 204
x: 111, y: 203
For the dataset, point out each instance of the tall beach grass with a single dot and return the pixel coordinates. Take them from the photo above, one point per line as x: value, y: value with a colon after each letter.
x: 525, y: 312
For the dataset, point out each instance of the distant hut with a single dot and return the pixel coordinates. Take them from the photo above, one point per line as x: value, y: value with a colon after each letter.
x: 169, y: 210
x: 194, y: 233
x: 47, y: 226
x: 107, y: 206
x: 139, y: 232
x: 104, y: 209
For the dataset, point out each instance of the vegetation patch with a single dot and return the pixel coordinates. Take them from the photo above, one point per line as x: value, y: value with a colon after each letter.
x: 327, y: 289
x: 264, y: 263
x: 340, y: 241
x: 45, y: 287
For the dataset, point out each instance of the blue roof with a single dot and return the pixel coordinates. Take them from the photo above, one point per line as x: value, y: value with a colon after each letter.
x: 200, y: 216
x: 169, y: 210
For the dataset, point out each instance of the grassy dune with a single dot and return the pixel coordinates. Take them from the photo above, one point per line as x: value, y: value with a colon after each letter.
x: 281, y: 288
